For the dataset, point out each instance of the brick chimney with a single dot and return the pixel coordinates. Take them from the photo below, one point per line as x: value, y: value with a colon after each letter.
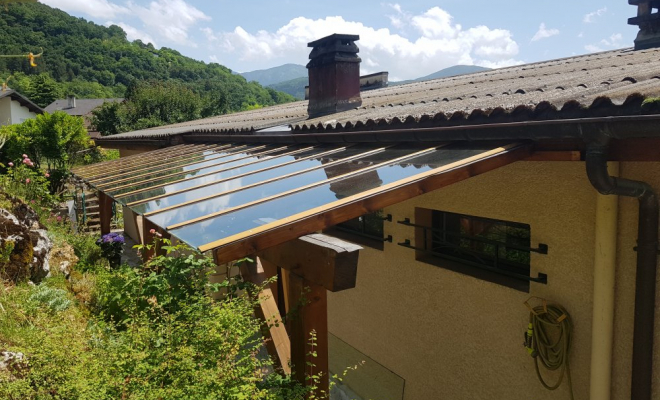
x: 648, y: 20
x: 334, y: 75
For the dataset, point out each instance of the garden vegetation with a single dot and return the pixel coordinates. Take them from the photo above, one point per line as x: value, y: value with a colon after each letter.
x: 150, y: 331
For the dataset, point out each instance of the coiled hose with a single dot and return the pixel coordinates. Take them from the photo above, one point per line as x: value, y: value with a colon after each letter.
x: 548, y: 340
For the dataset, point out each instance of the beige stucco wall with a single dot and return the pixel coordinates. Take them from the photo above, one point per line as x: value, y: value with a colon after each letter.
x: 452, y: 336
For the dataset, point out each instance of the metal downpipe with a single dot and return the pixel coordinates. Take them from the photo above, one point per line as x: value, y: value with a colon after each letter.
x: 647, y: 262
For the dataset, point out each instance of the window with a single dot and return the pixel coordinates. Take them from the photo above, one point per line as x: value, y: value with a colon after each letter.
x: 499, y: 244
x: 494, y: 250
x: 365, y: 230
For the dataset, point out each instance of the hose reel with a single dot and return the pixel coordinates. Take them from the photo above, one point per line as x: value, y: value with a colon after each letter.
x: 548, y: 341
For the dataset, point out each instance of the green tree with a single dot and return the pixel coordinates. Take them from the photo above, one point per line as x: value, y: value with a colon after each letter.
x: 52, y: 141
x: 107, y: 119
x: 153, y: 103
x: 43, y: 90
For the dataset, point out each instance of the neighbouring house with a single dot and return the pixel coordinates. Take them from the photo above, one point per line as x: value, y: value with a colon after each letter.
x: 16, y: 108
x: 445, y: 206
x: 81, y: 108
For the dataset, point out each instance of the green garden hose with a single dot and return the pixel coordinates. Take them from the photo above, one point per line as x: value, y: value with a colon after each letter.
x: 548, y: 340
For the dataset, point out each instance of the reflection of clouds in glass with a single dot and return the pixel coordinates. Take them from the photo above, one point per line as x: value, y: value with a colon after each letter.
x: 206, y: 207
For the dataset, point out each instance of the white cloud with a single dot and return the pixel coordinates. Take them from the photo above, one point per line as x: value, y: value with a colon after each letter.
x: 544, y: 32
x: 133, y: 33
x: 94, y: 8
x: 437, y: 43
x: 592, y: 48
x: 169, y: 19
x: 165, y: 19
x: 612, y: 42
x: 591, y: 17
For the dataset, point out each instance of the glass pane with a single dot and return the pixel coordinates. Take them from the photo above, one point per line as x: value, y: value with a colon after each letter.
x: 115, y: 167
x: 238, y: 198
x: 223, y: 226
x: 225, y: 163
x: 276, y: 170
x: 164, y: 161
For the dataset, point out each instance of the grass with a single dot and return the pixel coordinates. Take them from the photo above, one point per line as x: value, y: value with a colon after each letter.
x: 132, y: 333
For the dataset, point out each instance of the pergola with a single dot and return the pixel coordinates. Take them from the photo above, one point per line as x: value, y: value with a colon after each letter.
x: 268, y: 201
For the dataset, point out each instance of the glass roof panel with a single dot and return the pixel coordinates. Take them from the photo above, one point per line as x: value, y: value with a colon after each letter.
x: 158, y: 168
x: 203, y: 186
x: 228, y: 164
x: 146, y: 163
x: 242, y: 220
x: 240, y: 196
x: 104, y: 168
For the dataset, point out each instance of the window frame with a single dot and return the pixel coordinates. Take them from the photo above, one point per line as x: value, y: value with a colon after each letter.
x: 518, y: 279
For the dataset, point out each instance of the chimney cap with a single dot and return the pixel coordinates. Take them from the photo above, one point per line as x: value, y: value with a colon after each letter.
x: 333, y: 37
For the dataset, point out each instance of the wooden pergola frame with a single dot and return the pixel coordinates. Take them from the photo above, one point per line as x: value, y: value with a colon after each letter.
x: 308, y: 265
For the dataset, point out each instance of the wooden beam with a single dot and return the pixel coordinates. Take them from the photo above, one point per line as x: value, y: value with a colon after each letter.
x: 309, y: 317
x: 258, y: 239
x: 105, y: 212
x: 277, y: 340
x: 320, y: 259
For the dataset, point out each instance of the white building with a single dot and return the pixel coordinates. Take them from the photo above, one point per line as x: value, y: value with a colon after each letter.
x: 16, y: 108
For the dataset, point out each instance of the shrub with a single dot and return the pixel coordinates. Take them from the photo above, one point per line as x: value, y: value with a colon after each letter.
x: 53, y: 299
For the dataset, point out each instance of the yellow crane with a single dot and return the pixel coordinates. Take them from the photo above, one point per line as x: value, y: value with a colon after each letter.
x: 30, y: 56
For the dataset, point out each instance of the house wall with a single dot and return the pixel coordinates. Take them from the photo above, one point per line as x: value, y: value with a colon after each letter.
x: 453, y: 336
x: 20, y: 113
x: 5, y: 111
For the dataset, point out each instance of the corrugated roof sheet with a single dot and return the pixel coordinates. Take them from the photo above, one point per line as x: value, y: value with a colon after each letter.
x: 608, y: 83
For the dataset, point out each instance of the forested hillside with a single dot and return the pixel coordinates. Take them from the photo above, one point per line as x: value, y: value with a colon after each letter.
x: 88, y: 60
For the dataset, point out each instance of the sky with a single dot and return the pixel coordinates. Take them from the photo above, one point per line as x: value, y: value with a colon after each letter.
x: 408, y: 39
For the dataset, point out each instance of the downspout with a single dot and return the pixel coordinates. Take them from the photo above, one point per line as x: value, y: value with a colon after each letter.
x: 602, y: 327
x: 647, y: 261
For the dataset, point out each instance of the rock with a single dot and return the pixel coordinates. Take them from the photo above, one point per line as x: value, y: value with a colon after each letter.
x: 24, y: 245
x: 62, y: 259
x: 12, y: 365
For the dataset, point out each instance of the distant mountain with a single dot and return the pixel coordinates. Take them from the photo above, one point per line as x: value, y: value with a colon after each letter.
x: 275, y: 75
x: 294, y: 87
x: 447, y: 72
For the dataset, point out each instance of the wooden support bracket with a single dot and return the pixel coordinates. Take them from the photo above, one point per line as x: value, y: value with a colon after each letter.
x: 277, y: 340
x: 320, y: 259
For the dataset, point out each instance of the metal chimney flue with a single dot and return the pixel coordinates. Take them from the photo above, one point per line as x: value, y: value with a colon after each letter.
x: 72, y: 101
x: 648, y: 20
x: 334, y: 75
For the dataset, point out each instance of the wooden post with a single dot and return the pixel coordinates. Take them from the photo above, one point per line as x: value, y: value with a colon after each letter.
x: 148, y: 239
x: 309, y: 317
x: 312, y: 265
x: 105, y: 212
